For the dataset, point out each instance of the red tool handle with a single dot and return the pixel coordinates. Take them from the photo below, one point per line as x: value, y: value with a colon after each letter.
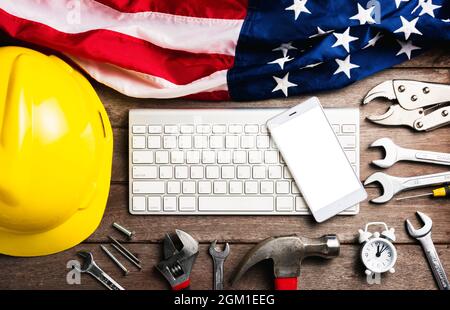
x: 285, y: 284
x: 182, y: 286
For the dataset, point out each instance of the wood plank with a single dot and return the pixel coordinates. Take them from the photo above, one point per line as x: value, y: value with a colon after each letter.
x: 344, y: 272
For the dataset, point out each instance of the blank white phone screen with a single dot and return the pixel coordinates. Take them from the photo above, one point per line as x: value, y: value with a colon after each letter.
x: 315, y: 158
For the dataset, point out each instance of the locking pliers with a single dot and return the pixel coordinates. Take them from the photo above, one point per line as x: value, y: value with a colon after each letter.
x: 421, y: 105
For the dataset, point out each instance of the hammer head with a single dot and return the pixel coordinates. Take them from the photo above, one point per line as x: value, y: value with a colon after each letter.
x: 287, y: 253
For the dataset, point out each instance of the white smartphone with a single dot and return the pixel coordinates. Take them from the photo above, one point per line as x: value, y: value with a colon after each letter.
x: 316, y: 160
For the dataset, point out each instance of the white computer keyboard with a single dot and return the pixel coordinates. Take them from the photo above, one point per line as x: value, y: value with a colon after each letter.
x: 211, y: 161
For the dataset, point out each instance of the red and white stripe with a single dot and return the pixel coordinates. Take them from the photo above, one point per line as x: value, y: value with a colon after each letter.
x: 142, y: 48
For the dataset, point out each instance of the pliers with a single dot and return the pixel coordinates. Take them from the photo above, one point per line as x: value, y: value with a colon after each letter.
x: 421, y: 105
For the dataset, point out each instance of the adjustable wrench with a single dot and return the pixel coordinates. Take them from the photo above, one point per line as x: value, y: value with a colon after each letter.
x: 218, y: 259
x: 89, y: 266
x: 424, y: 236
x: 395, y: 153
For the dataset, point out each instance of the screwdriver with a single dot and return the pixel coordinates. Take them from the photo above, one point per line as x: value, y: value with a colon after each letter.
x: 438, y: 192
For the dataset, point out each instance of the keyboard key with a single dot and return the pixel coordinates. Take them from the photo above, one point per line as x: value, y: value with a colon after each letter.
x: 170, y: 203
x: 138, y: 142
x: 243, y: 172
x: 259, y: 172
x: 231, y: 142
x: 154, y: 129
x: 148, y: 187
x: 145, y: 172
x: 228, y: 172
x: 184, y: 142
x: 239, y: 157
x: 203, y: 129
x: 351, y: 155
x: 251, y: 128
x: 220, y: 187
x: 171, y: 129
x: 139, y: 203
x: 165, y: 172
x: 300, y: 204
x: 173, y: 187
x: 247, y: 142
x: 263, y: 129
x: 162, y: 157
x: 139, y: 129
x: 187, y: 203
x: 235, y: 128
x: 142, y: 157
x: 287, y: 173
x: 212, y: 172
x: 236, y: 187
x: 266, y: 187
x: 196, y: 172
x: 219, y: 129
x: 262, y: 142
x: 235, y: 204
x: 224, y: 157
x: 271, y: 157
x: 208, y: 157
x: 347, y: 142
x: 193, y: 157
x: 275, y: 172
x: 204, y: 187
x: 255, y: 157
x: 285, y: 204
x: 348, y: 128
x: 154, y: 203
x: 294, y: 188
x: 187, y: 129
x: 216, y: 142
x: 154, y: 142
x: 170, y: 142
x: 336, y: 128
x: 181, y: 172
x: 188, y: 187
x: 283, y: 187
x: 251, y: 187
x: 201, y: 142
x: 177, y: 157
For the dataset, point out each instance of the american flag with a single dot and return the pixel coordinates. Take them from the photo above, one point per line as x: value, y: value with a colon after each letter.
x: 229, y: 49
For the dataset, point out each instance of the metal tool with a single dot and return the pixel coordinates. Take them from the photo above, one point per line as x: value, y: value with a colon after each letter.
x: 89, y: 266
x: 392, y: 185
x: 218, y: 260
x: 126, y: 256
x: 180, y: 252
x: 438, y: 192
x: 287, y: 253
x: 424, y: 236
x: 124, y: 249
x: 114, y: 259
x: 124, y: 230
x: 421, y: 105
x: 395, y: 153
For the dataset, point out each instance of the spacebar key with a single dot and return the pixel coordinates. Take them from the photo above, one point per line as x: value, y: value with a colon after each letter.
x: 235, y: 204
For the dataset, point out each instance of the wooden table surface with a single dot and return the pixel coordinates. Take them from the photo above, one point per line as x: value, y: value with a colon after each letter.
x: 242, y: 232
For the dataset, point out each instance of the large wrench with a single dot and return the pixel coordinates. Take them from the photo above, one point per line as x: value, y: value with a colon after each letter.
x: 424, y: 236
x: 218, y: 259
x: 392, y: 185
x: 395, y: 153
x: 89, y: 266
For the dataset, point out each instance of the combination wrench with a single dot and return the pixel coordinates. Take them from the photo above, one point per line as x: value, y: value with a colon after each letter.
x: 218, y: 260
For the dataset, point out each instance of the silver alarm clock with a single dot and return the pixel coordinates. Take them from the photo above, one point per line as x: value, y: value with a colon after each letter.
x: 378, y: 253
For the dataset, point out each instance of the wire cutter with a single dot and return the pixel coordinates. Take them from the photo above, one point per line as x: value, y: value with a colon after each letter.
x: 421, y: 105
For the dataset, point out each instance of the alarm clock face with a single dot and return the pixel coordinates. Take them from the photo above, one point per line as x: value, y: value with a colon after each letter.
x: 379, y: 255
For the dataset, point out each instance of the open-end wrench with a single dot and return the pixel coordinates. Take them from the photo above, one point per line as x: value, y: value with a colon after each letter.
x: 89, y: 266
x: 218, y: 259
x: 424, y: 236
x: 392, y: 185
x: 395, y: 153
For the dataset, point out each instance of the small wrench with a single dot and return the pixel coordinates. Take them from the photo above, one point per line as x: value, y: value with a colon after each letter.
x: 392, y: 185
x: 89, y: 266
x: 424, y: 236
x: 218, y: 259
x: 395, y: 153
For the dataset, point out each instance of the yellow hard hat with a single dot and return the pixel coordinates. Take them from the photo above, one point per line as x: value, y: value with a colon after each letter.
x: 55, y: 154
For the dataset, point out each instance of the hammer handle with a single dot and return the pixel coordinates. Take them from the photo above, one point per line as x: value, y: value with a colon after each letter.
x: 285, y: 284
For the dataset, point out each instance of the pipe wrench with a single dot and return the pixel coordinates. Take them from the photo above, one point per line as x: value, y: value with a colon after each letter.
x: 420, y: 105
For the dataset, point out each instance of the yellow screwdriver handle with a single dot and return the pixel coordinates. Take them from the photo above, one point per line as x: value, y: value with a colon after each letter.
x: 441, y: 191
